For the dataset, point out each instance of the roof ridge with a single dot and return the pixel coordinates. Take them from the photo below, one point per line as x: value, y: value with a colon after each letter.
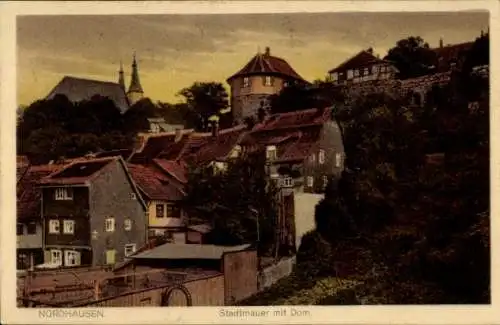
x: 92, y: 80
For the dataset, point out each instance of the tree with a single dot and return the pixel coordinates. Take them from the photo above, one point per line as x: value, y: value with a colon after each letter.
x: 295, y: 97
x: 412, y: 57
x: 238, y: 203
x: 203, y: 100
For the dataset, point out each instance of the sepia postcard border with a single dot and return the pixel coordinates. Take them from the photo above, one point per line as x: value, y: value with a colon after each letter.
x: 317, y: 314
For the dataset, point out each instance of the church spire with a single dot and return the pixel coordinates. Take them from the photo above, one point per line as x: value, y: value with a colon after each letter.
x: 121, y: 77
x: 135, y: 91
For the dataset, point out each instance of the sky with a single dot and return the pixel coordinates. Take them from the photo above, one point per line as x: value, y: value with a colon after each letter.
x: 173, y: 51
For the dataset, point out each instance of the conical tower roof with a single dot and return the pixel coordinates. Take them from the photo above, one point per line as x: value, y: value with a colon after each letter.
x: 121, y: 78
x: 135, y: 84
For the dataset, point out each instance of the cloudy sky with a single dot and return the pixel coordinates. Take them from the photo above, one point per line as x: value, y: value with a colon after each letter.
x: 173, y: 51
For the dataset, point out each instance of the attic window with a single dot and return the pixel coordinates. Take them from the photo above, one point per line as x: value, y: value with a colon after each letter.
x: 271, y: 153
x: 63, y: 193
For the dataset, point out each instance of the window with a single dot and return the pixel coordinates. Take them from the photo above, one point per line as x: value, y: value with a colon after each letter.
x: 160, y: 212
x: 71, y: 258
x: 173, y: 211
x: 287, y: 181
x: 68, y: 227
x: 246, y: 82
x: 20, y: 229
x: 349, y: 74
x: 271, y: 153
x: 110, y: 256
x: 64, y: 194
x: 268, y: 81
x: 133, y: 196
x: 31, y: 228
x: 129, y: 249
x: 310, y: 181
x: 109, y: 224
x: 356, y: 73
x: 367, y: 71
x: 54, y: 226
x: 56, y: 257
x: 334, y: 76
x: 325, y: 181
x: 285, y: 84
x: 312, y: 158
x: 127, y: 224
x: 321, y: 156
x: 338, y: 159
x: 374, y: 69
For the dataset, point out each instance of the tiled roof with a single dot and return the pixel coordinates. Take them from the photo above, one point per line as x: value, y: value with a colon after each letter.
x: 124, y: 153
x: 215, y: 148
x: 361, y: 59
x: 176, y: 169
x: 78, y: 172
x: 78, y: 89
x: 295, y: 119
x: 160, y: 143
x: 28, y: 196
x: 295, y: 134
x: 153, y: 184
x: 189, y: 251
x: 266, y: 64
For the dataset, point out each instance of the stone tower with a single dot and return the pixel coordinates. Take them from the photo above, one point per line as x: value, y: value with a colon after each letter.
x: 135, y: 92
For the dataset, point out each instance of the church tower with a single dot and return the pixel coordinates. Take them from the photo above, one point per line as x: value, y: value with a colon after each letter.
x: 135, y: 92
x: 121, y: 78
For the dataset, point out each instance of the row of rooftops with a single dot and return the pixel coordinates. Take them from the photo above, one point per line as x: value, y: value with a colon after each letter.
x: 159, y: 166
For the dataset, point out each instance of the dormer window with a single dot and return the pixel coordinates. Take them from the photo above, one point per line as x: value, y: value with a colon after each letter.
x: 271, y: 153
x: 246, y: 82
x: 63, y: 193
x: 236, y: 151
x: 268, y: 81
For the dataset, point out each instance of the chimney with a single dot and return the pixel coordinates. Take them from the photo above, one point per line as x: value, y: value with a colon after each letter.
x: 370, y: 50
x: 440, y: 43
x: 268, y: 51
x: 178, y: 134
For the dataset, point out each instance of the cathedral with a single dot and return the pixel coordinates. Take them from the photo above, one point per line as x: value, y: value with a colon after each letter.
x: 77, y: 89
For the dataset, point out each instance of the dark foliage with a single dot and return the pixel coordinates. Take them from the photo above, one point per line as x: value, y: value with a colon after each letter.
x: 238, y: 203
x: 421, y: 227
x: 412, y: 57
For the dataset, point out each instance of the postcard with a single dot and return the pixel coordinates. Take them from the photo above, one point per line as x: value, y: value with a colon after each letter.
x: 249, y: 162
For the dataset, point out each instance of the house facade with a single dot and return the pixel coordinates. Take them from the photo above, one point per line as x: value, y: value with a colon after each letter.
x: 262, y: 76
x: 364, y: 66
x: 29, y: 229
x: 92, y: 214
x: 162, y: 195
x: 304, y: 150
